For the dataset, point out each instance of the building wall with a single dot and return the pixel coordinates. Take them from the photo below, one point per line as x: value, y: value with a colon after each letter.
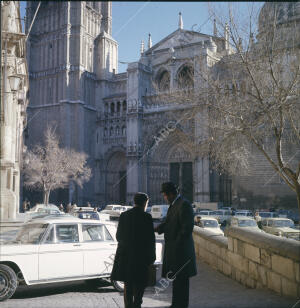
x: 13, y: 108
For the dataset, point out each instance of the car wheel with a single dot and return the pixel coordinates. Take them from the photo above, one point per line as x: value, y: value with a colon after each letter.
x: 118, y: 285
x: 94, y: 283
x: 8, y: 282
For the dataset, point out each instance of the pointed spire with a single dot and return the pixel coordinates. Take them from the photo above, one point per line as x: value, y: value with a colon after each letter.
x: 226, y: 35
x: 142, y: 48
x: 149, y: 41
x: 215, y: 28
x: 180, y: 22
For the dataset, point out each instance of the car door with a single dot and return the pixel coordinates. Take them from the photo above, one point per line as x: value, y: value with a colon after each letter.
x: 98, y: 249
x: 60, y: 254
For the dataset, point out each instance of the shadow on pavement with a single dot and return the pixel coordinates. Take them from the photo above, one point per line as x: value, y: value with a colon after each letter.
x: 61, y: 288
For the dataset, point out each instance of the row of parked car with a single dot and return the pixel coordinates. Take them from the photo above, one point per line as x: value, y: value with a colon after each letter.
x: 279, y: 226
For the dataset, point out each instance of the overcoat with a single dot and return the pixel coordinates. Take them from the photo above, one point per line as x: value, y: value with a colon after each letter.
x: 179, y: 251
x: 136, y: 246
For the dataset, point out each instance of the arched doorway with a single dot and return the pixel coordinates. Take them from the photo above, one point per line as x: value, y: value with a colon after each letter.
x: 181, y: 171
x: 116, y: 179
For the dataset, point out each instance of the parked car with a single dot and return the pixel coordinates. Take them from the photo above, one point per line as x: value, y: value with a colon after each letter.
x: 205, y: 212
x: 281, y: 227
x: 87, y: 214
x: 222, y: 215
x: 57, y: 249
x: 115, y: 215
x: 209, y: 223
x: 159, y: 212
x: 262, y: 215
x: 40, y: 210
x: 243, y: 222
x: 244, y: 213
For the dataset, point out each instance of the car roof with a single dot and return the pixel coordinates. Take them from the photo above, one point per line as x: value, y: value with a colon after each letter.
x: 51, y: 219
x: 277, y: 218
x: 209, y: 218
x: 242, y: 218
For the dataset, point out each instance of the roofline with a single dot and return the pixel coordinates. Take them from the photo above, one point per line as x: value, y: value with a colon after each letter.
x: 178, y: 30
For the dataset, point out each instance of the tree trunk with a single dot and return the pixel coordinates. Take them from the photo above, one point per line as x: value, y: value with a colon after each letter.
x: 46, y: 196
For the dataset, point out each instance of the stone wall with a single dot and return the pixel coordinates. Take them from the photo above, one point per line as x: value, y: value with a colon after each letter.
x: 257, y: 260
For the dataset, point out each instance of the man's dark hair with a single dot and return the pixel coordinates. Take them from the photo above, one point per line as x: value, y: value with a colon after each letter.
x: 169, y: 187
x: 140, y: 199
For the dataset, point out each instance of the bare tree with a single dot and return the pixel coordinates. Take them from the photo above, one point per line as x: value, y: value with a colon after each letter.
x: 48, y: 167
x: 249, y: 95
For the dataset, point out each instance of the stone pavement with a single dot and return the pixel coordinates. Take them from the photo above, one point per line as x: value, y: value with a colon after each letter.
x: 209, y: 289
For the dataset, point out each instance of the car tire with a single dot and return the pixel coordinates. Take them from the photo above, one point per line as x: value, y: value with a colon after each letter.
x: 8, y: 282
x: 118, y: 285
x: 94, y: 283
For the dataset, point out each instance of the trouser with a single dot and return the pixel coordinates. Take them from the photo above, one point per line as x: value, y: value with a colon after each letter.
x: 180, y: 292
x: 133, y: 294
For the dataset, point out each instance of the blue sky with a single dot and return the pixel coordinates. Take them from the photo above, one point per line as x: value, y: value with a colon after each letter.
x: 132, y: 21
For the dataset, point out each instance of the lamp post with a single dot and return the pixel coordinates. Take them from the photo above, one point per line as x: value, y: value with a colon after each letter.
x: 14, y: 82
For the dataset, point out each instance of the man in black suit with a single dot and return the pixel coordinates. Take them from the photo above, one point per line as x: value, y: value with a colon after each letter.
x: 135, y: 252
x: 179, y: 261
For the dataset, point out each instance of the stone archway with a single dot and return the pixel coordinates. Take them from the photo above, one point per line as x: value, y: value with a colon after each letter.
x: 172, y: 160
x: 116, y: 178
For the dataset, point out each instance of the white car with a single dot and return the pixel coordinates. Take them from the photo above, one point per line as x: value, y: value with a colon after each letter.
x: 40, y: 210
x: 209, y: 223
x: 115, y: 215
x: 56, y: 249
x: 243, y: 213
x: 159, y: 212
x: 244, y: 222
x: 282, y: 227
x: 204, y: 212
x: 221, y: 215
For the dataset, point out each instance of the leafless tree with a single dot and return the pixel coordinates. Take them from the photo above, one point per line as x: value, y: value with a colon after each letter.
x: 48, y: 167
x: 249, y: 95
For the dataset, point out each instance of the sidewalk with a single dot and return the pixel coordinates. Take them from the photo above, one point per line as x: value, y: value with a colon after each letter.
x: 211, y: 289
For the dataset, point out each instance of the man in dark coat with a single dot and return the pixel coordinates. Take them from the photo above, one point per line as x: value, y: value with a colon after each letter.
x: 135, y: 252
x: 179, y: 262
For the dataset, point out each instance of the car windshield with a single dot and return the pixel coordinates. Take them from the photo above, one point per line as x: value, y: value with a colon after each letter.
x: 240, y: 214
x: 283, y: 223
x: 108, y: 208
x: 247, y: 223
x: 31, y: 233
x: 210, y: 223
x: 265, y: 214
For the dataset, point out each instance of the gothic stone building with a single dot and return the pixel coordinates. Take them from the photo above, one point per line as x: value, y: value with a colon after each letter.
x: 14, y: 85
x: 117, y: 118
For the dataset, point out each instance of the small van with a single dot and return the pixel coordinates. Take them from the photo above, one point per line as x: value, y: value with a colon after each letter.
x: 159, y: 212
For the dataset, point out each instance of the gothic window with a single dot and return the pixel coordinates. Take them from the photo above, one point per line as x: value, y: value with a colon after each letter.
x: 118, y: 107
x: 106, y: 108
x: 111, y: 131
x: 185, y: 77
x: 105, y: 132
x: 117, y: 130
x: 163, y: 81
x: 124, y: 106
x: 112, y: 108
x: 124, y: 130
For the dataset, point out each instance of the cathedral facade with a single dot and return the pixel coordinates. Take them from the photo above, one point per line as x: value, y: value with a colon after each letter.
x: 135, y: 140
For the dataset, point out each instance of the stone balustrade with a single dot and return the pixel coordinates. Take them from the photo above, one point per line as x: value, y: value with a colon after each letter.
x: 257, y: 260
